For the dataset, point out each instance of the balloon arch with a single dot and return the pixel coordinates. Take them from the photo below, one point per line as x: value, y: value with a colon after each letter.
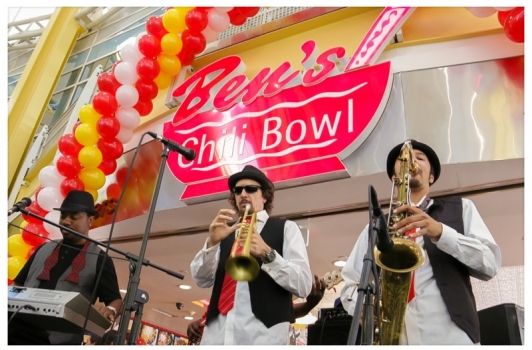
x: 125, y: 95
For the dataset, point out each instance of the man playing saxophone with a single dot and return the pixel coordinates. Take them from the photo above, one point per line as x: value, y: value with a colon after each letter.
x: 258, y: 311
x: 457, y: 244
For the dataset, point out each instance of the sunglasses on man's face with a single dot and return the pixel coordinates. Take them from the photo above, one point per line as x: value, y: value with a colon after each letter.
x: 248, y: 188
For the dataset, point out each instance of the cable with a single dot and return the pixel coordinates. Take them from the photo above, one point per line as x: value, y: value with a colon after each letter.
x: 27, y: 306
x: 98, y: 278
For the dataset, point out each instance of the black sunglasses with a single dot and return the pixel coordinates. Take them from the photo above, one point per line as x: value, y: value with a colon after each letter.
x: 248, y: 188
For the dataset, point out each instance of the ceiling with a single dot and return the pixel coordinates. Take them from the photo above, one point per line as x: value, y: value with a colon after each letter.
x: 334, y: 213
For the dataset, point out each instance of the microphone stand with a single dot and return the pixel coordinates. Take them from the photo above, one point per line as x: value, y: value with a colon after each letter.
x: 135, y: 298
x: 131, y: 257
x: 364, y: 304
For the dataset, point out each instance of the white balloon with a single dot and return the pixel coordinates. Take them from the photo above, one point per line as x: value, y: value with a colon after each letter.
x: 124, y: 135
x: 218, y: 21
x: 54, y: 232
x: 210, y: 34
x: 224, y: 9
x: 126, y: 73
x: 127, y: 96
x: 50, y: 177
x: 482, y: 12
x: 50, y: 198
x: 130, y: 53
x: 129, y: 118
x: 504, y: 8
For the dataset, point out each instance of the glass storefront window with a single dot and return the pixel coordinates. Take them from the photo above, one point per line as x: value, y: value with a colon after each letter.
x: 68, y: 79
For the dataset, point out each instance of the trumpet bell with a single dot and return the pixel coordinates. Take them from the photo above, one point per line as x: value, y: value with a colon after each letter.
x: 242, y: 268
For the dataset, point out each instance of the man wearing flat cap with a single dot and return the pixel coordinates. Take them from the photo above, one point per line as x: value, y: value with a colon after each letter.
x: 71, y: 264
x: 261, y: 310
x: 457, y: 244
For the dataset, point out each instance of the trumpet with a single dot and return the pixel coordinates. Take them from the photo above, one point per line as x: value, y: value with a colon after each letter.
x: 242, y: 266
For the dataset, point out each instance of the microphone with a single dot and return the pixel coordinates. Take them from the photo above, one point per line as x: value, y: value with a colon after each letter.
x: 188, y: 153
x: 24, y: 202
x: 384, y: 241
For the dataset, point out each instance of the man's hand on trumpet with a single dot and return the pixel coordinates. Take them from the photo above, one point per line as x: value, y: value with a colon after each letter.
x: 219, y: 229
x: 257, y: 247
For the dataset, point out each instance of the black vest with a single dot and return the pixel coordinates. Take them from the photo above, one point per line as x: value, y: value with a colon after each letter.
x: 270, y: 303
x: 452, y: 277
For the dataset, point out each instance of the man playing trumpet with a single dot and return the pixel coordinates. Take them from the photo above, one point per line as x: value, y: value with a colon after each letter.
x: 259, y: 311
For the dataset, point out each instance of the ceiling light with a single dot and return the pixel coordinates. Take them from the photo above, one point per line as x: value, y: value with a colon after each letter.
x: 339, y: 263
x: 164, y: 312
x: 189, y: 318
x: 184, y: 286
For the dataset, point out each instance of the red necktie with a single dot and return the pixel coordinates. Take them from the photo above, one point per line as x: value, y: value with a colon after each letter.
x: 227, y: 295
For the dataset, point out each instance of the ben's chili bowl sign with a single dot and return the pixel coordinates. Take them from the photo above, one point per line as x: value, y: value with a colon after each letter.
x: 291, y: 124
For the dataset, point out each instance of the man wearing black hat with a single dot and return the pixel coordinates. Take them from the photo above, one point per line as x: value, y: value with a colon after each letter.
x: 457, y: 244
x: 261, y: 310
x: 72, y: 265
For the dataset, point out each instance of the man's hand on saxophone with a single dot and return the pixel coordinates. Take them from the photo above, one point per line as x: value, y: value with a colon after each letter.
x: 418, y: 219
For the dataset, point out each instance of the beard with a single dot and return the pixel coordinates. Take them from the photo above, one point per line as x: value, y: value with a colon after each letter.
x: 414, y: 184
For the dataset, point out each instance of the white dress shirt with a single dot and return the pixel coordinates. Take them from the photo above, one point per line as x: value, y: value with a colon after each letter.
x: 427, y: 320
x: 240, y: 326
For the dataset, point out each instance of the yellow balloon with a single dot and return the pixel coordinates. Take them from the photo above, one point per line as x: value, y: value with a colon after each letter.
x: 16, y: 245
x: 174, y: 21
x: 86, y: 134
x: 170, y: 64
x: 171, y: 44
x: 93, y: 192
x: 93, y: 179
x: 163, y: 81
x: 24, y: 224
x: 90, y: 157
x: 87, y: 114
x: 14, y: 265
x: 183, y: 10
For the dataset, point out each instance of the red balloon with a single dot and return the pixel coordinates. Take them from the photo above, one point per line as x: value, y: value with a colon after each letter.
x: 71, y: 183
x: 34, y: 234
x: 107, y: 82
x: 148, y: 90
x: 10, y: 282
x: 35, y: 209
x: 108, y: 166
x: 68, y: 145
x: 204, y: 8
x: 111, y: 149
x: 501, y: 16
x: 193, y: 42
x: 155, y: 27
x: 121, y: 176
x: 148, y: 68
x: 186, y: 57
x: 236, y: 18
x: 31, y: 251
x: 141, y: 341
x: 248, y: 11
x: 108, y: 127
x: 113, y: 191
x: 196, y: 20
x: 78, y: 123
x: 104, y: 103
x: 144, y: 107
x: 149, y: 45
x: 514, y: 26
x: 68, y: 166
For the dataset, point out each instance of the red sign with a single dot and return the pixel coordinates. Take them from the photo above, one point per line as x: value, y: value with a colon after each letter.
x: 288, y: 123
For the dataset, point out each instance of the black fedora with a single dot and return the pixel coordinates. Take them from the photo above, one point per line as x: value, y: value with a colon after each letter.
x: 78, y: 202
x: 250, y: 172
x: 429, y: 152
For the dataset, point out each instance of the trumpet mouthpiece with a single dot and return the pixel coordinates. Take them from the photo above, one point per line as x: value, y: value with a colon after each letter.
x: 248, y: 206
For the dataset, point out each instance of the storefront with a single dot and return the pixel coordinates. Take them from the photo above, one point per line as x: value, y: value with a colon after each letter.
x: 322, y: 132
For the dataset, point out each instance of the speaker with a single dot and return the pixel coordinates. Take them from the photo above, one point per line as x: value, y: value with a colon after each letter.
x: 330, y: 332
x: 502, y: 325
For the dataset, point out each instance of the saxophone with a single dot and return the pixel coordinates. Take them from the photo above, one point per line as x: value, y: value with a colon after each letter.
x: 405, y: 257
